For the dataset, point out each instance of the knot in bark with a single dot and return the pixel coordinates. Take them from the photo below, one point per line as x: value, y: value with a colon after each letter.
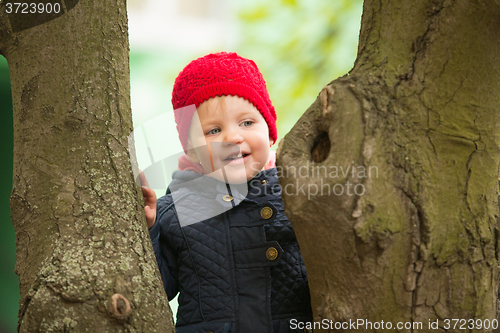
x: 119, y: 307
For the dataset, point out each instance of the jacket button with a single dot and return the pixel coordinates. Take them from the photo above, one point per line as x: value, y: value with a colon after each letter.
x: 272, y: 253
x: 263, y: 182
x: 266, y: 212
x: 227, y: 198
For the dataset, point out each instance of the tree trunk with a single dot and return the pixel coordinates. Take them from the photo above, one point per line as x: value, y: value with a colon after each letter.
x: 390, y: 178
x: 84, y: 257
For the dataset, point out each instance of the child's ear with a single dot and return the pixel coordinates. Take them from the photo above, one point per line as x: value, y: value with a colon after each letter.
x: 271, y: 142
x: 191, y: 153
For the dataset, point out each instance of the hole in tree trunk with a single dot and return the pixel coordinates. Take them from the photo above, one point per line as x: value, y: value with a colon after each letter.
x: 321, y: 148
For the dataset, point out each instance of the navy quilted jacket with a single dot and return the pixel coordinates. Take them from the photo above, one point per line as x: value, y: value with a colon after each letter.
x: 232, y: 254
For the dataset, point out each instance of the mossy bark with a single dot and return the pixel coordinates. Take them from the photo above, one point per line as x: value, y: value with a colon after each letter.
x: 417, y: 119
x: 84, y: 258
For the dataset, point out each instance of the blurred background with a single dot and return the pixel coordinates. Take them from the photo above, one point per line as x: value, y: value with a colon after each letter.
x: 299, y: 46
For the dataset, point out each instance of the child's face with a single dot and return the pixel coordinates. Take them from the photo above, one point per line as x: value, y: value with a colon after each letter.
x: 230, y: 139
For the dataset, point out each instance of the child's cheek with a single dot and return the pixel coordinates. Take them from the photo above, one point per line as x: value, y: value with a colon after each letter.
x: 203, y: 155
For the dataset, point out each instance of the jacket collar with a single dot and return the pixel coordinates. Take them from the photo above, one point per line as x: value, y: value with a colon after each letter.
x: 197, y: 197
x: 211, y: 186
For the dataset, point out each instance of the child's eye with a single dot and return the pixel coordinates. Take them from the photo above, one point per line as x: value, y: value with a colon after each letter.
x: 213, y: 131
x: 247, y: 123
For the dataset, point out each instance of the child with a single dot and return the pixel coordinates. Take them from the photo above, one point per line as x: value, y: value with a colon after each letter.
x: 220, y: 234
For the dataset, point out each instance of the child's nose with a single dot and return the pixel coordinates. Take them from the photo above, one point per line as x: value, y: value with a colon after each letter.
x: 233, y: 136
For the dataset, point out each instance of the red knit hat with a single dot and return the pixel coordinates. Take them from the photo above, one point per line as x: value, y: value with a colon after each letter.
x: 219, y: 74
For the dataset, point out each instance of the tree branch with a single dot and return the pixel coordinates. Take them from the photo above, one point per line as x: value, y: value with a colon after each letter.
x: 422, y: 93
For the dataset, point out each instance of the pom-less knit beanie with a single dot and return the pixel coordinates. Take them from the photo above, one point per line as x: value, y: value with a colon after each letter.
x: 219, y: 74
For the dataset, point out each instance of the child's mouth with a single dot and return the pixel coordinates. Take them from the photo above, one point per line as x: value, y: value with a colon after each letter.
x: 236, y: 157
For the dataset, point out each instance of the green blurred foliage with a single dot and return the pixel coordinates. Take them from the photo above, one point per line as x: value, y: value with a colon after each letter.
x: 9, y: 284
x: 300, y: 46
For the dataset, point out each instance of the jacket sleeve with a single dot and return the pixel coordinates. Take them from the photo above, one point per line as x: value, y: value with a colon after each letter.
x: 164, y: 253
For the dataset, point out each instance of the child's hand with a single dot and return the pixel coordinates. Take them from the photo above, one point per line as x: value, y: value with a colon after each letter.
x: 149, y: 200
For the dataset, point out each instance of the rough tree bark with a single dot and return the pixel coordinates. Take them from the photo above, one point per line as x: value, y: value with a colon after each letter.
x: 84, y: 258
x: 418, y: 120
